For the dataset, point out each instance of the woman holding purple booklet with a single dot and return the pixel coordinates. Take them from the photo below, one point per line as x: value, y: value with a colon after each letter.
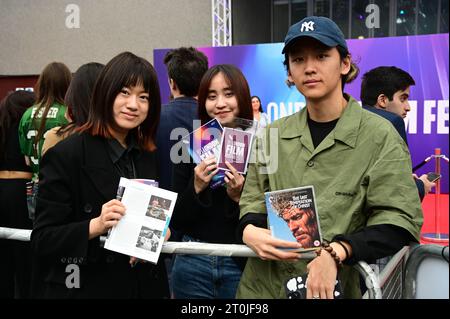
x: 204, y: 214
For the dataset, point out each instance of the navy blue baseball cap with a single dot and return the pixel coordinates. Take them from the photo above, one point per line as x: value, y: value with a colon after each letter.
x: 320, y: 28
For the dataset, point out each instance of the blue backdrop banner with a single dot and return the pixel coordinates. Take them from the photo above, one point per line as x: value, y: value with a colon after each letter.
x: 425, y: 57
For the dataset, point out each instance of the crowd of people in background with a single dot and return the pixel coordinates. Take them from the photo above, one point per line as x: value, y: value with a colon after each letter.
x: 64, y: 148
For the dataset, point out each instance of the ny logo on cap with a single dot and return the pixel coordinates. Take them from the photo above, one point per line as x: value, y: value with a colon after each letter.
x: 307, y: 26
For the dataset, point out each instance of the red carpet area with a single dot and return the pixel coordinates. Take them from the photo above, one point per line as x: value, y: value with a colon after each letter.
x: 429, y: 212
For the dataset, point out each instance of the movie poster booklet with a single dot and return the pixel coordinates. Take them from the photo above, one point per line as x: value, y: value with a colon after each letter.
x: 141, y: 231
x: 236, y: 145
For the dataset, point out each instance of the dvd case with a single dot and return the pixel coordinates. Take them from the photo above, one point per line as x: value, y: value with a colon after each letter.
x: 293, y: 216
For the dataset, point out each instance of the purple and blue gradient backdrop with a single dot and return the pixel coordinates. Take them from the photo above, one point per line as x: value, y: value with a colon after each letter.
x: 424, y: 57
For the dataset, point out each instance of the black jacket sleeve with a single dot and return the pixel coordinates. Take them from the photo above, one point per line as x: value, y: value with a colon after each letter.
x: 199, y: 215
x: 420, y: 188
x: 56, y: 232
x: 369, y: 244
x: 258, y: 220
x: 188, y: 204
x: 374, y: 242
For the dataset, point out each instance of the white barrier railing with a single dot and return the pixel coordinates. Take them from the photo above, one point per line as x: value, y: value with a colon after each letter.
x: 213, y: 250
x: 169, y: 247
x: 15, y: 234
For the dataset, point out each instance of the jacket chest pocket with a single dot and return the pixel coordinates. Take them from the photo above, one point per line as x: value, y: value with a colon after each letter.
x: 340, y: 207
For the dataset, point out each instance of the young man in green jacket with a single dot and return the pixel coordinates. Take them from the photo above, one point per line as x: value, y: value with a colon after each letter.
x: 360, y: 169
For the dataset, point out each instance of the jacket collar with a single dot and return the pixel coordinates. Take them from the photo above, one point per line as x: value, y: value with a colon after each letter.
x: 182, y: 99
x: 346, y: 129
x: 116, y: 150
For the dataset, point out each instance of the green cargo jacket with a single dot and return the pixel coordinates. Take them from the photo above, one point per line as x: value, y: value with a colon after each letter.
x: 361, y: 173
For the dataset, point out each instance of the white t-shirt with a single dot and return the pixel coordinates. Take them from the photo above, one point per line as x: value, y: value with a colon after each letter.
x: 262, y: 123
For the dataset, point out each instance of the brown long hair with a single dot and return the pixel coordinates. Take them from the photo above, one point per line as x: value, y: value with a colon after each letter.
x: 238, y: 84
x: 259, y: 100
x: 78, y: 96
x: 50, y: 88
x: 124, y: 70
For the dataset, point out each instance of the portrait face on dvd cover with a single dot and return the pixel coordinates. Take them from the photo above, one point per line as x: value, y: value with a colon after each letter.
x: 303, y: 225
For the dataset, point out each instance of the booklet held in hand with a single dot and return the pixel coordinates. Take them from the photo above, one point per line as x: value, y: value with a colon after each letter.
x: 140, y: 232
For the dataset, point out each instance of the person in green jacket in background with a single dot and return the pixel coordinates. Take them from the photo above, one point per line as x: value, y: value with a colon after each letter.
x: 359, y: 166
x: 48, y: 112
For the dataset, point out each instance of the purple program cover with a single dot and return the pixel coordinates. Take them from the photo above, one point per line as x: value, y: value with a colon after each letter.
x: 150, y: 182
x: 204, y: 142
x: 236, y: 146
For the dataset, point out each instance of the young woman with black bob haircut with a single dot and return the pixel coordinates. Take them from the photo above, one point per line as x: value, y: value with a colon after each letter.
x: 211, y: 215
x: 78, y: 183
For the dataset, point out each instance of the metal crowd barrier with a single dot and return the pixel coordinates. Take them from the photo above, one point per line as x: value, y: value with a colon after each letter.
x: 390, y: 277
x: 426, y: 273
x: 368, y: 274
x: 15, y: 234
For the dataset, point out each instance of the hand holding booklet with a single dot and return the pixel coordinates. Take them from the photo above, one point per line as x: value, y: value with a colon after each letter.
x: 205, y: 142
x: 232, y: 144
x: 141, y: 231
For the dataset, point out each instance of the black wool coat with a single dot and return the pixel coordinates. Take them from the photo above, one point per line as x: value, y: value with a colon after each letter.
x: 76, y: 178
